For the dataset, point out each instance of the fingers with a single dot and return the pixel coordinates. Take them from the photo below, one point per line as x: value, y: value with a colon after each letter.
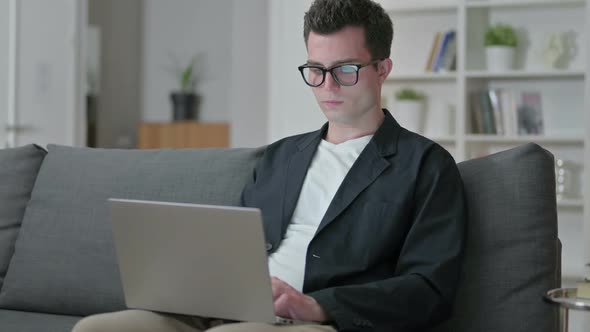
x: 280, y: 287
x: 281, y: 305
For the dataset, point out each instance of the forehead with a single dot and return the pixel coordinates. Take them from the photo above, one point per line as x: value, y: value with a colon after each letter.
x: 348, y: 43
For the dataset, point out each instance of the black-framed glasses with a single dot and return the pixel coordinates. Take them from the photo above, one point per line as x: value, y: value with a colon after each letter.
x: 345, y: 75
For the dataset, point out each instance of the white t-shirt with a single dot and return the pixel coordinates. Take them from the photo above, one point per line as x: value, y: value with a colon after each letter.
x: 328, y: 168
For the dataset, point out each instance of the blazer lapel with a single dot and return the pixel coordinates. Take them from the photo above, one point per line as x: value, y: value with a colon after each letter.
x: 367, y: 168
x: 364, y: 171
x: 296, y: 171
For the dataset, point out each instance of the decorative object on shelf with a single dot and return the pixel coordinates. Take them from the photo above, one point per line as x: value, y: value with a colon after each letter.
x: 409, y: 109
x: 559, y: 49
x: 568, y: 178
x: 441, y: 122
x: 185, y: 101
x: 500, y: 43
x: 530, y: 115
x: 554, y: 49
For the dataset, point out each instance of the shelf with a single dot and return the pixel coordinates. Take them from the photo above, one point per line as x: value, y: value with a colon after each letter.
x: 183, y: 135
x: 525, y: 74
x: 417, y: 6
x: 479, y: 138
x: 570, y: 203
x: 572, y: 274
x: 563, y: 90
x: 443, y: 139
x: 524, y: 3
x: 448, y: 76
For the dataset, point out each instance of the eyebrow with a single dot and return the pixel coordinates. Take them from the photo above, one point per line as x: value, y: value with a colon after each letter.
x: 339, y: 62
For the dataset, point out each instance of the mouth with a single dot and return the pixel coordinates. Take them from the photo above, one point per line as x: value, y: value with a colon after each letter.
x: 332, y: 102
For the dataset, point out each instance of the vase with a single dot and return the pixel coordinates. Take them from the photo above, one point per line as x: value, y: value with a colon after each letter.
x: 410, y: 114
x: 185, y: 106
x: 500, y: 58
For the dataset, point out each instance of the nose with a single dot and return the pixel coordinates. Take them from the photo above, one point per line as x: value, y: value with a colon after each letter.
x: 330, y: 83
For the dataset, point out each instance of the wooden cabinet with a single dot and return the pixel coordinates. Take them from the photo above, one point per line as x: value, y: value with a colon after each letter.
x: 180, y: 135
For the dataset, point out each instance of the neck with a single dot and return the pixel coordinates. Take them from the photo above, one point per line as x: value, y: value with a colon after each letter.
x: 339, y: 132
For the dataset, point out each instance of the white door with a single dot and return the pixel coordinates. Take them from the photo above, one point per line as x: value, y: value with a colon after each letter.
x: 46, y: 60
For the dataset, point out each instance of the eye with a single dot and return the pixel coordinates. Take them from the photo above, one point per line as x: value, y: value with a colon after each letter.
x: 348, y: 69
x: 315, y: 70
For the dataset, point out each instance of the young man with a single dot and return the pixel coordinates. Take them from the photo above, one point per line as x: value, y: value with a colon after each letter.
x: 365, y: 221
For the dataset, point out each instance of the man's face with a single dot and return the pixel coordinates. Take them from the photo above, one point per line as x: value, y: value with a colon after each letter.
x: 346, y: 105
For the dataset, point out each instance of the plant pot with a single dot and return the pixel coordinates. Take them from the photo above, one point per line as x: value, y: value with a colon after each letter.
x: 185, y: 106
x: 440, y: 121
x: 500, y: 58
x: 410, y: 114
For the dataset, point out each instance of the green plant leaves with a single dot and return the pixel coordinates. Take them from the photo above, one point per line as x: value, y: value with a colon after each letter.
x: 501, y: 35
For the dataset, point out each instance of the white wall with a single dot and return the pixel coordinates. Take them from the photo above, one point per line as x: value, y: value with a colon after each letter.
x: 4, y: 32
x: 184, y: 28
x: 233, y: 36
x: 293, y: 109
x: 248, y: 105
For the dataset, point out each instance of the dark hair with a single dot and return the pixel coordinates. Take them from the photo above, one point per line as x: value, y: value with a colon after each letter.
x: 329, y: 16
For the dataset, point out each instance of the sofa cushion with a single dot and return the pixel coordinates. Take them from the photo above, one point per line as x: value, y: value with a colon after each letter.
x: 20, y: 321
x: 18, y: 171
x: 64, y: 261
x: 512, y: 250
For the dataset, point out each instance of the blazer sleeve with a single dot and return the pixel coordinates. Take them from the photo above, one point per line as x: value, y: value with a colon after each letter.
x: 422, y: 291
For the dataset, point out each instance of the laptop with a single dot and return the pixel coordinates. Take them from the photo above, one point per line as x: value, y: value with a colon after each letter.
x: 199, y: 260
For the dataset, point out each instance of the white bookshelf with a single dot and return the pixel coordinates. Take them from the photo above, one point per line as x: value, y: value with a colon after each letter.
x: 423, y: 77
x: 526, y: 74
x: 571, y: 203
x: 524, y: 3
x: 564, y: 91
x: 522, y: 139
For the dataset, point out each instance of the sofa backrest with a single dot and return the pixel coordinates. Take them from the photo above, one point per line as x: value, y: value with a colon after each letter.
x: 64, y: 260
x: 18, y: 171
x: 65, y: 263
x: 512, y: 252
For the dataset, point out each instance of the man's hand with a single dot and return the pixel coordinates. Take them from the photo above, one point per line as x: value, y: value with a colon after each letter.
x: 290, y: 303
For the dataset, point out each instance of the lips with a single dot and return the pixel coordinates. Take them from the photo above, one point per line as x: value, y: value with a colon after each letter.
x: 332, y: 102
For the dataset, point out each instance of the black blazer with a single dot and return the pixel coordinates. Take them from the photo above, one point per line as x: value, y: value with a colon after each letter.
x: 388, y: 252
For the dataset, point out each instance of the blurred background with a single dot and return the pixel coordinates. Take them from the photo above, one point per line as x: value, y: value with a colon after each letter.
x: 91, y: 72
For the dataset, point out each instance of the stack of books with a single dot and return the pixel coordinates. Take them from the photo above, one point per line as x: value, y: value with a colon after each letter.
x: 507, y: 113
x: 443, y: 53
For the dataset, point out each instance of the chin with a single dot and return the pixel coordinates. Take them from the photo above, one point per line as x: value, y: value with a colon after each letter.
x: 338, y: 116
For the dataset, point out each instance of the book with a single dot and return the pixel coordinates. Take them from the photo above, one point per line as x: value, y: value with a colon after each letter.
x: 509, y: 115
x: 487, y: 114
x: 476, y: 119
x: 496, y: 111
x: 530, y: 116
x: 448, y: 53
x: 446, y: 44
x: 433, y: 50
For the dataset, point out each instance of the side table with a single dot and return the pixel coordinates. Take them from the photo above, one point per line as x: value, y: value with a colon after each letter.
x: 567, y: 299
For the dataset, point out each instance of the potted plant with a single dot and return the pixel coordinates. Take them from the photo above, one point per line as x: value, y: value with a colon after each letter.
x: 500, y: 43
x: 409, y: 109
x: 185, y: 101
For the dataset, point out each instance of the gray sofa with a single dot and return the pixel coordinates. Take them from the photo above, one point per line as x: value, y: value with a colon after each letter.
x: 57, y: 260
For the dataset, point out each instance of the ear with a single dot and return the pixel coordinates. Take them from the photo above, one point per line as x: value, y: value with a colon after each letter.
x: 385, y: 67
